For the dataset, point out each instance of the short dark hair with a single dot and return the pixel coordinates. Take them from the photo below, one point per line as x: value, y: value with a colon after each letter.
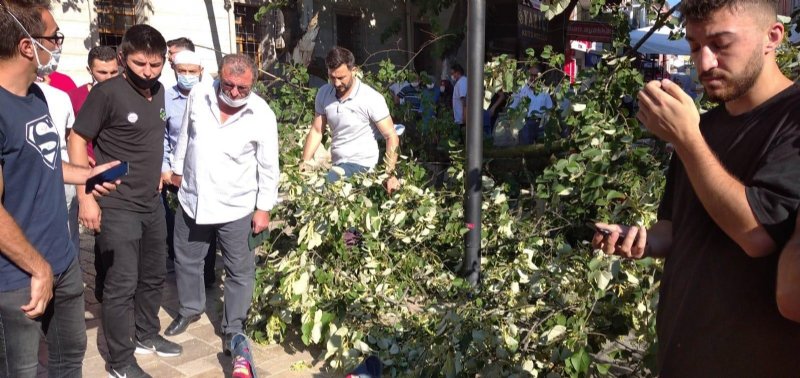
x: 29, y: 14
x: 101, y: 53
x: 338, y: 56
x: 239, y: 64
x: 701, y: 10
x: 457, y: 67
x: 142, y: 38
x: 183, y: 42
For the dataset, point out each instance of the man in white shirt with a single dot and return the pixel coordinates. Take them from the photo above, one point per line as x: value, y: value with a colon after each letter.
x: 188, y: 72
x: 459, y: 94
x: 356, y: 113
x: 63, y: 117
x: 539, y: 103
x: 226, y: 165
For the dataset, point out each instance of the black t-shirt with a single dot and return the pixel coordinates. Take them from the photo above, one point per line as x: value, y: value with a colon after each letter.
x: 33, y: 183
x: 717, y: 312
x: 127, y: 127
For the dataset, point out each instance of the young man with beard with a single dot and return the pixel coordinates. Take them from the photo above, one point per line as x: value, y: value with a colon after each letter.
x: 351, y: 108
x: 125, y: 116
x: 41, y: 287
x: 730, y: 203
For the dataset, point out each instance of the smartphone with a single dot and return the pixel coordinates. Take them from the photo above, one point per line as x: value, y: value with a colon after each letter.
x: 604, y: 231
x: 109, y: 175
x: 597, y: 229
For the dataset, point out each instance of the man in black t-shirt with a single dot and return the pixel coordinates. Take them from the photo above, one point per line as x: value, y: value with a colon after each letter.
x: 125, y: 116
x: 37, y: 260
x: 733, y: 187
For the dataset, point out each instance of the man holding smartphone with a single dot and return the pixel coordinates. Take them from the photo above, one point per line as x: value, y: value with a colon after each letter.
x: 125, y: 116
x: 41, y: 286
x: 733, y: 187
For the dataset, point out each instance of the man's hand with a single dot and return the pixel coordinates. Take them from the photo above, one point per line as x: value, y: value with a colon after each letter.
x: 166, y: 178
x: 176, y: 180
x: 391, y: 184
x: 41, y: 292
x: 89, y: 214
x: 625, y: 241
x: 668, y: 112
x: 105, y: 188
x: 260, y: 221
x: 305, y: 166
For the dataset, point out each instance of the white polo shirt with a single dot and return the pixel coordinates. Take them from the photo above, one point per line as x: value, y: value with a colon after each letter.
x: 352, y: 121
x: 228, y: 169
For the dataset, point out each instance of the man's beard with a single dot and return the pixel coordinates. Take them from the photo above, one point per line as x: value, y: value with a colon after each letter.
x: 342, y: 89
x: 735, y: 87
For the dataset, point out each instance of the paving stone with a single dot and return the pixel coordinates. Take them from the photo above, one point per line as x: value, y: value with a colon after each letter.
x: 202, y: 356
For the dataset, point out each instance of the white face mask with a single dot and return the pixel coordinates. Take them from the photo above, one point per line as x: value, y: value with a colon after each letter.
x: 227, y: 100
x: 43, y: 70
x: 415, y: 84
x: 442, y: 88
x: 430, y: 85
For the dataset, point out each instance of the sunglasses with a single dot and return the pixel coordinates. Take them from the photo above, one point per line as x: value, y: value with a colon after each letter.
x: 57, y: 39
x: 243, y: 90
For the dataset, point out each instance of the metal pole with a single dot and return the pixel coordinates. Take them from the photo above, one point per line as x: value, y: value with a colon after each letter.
x: 476, y: 33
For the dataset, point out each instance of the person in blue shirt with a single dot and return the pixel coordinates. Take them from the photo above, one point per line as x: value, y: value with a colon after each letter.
x: 41, y: 285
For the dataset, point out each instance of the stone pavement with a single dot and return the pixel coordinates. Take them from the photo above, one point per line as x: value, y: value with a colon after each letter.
x: 202, y: 343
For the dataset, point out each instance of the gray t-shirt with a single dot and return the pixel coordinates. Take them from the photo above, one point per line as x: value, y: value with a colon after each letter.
x: 352, y: 122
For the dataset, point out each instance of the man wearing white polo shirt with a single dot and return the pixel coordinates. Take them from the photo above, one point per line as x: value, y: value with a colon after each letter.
x: 354, y: 111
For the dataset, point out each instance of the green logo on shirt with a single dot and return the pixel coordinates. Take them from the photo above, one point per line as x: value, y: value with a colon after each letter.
x: 163, y: 114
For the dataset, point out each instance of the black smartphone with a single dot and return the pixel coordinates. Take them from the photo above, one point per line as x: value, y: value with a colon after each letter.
x: 597, y: 229
x: 109, y: 175
x: 604, y: 231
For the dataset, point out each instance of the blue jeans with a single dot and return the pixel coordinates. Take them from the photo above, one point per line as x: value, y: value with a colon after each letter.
x: 63, y: 325
x: 349, y: 169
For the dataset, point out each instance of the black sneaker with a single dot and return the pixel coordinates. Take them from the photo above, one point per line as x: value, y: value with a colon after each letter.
x: 131, y: 371
x: 159, y: 345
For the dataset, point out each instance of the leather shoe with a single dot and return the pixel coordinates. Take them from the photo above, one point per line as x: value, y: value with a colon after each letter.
x: 226, y: 344
x: 179, y: 324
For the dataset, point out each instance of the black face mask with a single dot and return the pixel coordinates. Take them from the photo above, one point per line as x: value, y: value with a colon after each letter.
x: 139, y: 81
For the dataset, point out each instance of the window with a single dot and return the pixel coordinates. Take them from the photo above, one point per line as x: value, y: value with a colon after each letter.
x: 114, y: 17
x: 348, y: 35
x: 248, y: 32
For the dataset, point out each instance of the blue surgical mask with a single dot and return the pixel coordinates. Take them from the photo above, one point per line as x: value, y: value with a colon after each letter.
x: 186, y: 82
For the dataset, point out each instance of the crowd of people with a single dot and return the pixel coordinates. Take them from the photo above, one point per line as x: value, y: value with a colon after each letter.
x: 727, y: 226
x: 213, y: 144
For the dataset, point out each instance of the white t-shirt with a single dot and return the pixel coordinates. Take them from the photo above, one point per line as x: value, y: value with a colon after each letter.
x: 459, y: 92
x: 539, y: 101
x: 63, y: 117
x: 352, y: 122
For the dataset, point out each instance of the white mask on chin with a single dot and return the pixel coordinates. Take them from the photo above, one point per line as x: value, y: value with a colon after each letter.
x: 237, y: 103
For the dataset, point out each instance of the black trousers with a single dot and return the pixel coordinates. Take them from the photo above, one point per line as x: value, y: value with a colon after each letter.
x: 132, y: 248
